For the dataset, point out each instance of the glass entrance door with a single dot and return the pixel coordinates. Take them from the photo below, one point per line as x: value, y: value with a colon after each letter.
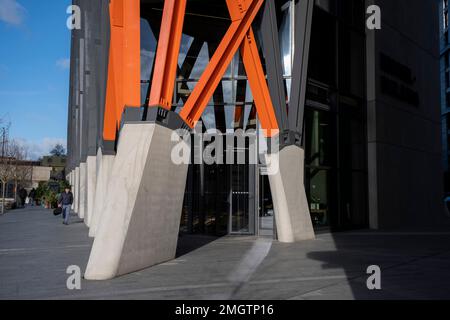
x: 242, y: 199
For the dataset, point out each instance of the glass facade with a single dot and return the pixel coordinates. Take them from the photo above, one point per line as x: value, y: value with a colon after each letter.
x: 445, y: 90
x: 234, y: 199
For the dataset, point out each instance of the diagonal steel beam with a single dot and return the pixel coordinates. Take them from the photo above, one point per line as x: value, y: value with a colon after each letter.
x: 166, y: 61
x: 303, y: 13
x: 274, y: 69
x: 214, y: 72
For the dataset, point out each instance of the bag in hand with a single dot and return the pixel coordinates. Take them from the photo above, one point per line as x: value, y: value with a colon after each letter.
x: 57, y: 211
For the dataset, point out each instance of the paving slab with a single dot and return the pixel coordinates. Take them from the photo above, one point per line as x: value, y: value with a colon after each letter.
x: 36, y: 249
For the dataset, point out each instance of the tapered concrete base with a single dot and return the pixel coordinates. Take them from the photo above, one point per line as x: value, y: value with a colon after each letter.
x: 82, y: 191
x: 292, y: 216
x: 76, y: 193
x: 91, y: 178
x: 104, y: 171
x: 143, y: 204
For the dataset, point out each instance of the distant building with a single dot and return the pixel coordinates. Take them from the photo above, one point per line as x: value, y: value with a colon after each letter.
x: 57, y: 165
x: 40, y: 174
x: 47, y: 169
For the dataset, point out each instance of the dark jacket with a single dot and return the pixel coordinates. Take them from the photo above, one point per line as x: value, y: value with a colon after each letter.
x: 66, y: 199
x: 32, y: 193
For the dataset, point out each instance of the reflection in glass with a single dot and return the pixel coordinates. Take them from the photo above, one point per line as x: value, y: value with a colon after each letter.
x: 148, y: 49
x: 201, y: 61
x: 317, y: 151
x: 318, y: 195
x: 286, y: 38
x: 208, y: 117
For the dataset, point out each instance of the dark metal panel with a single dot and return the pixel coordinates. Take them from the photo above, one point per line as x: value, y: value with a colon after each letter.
x: 83, y: 110
x: 104, y: 39
x: 76, y: 143
x: 71, y: 107
x: 302, y: 31
x: 92, y: 33
x: 271, y: 50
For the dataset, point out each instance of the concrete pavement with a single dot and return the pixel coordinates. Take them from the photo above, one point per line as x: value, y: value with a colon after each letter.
x: 36, y: 249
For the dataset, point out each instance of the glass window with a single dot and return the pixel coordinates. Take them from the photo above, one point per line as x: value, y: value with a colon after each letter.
x: 148, y: 50
x: 286, y: 37
x: 322, y: 54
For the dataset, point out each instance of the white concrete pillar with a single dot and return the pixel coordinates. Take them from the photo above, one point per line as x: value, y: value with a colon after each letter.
x: 143, y: 204
x: 292, y: 214
x: 82, y: 191
x: 91, y: 178
x: 104, y: 169
x: 72, y: 184
x: 76, y: 193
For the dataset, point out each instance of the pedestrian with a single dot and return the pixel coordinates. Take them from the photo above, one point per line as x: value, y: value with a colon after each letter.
x: 65, y: 202
x: 31, y: 196
x: 22, y: 196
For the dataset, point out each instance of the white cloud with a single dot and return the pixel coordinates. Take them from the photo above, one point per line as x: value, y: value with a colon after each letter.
x: 63, y: 63
x: 37, y: 149
x: 11, y: 12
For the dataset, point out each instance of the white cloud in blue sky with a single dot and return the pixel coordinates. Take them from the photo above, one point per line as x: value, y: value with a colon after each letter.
x: 63, y: 63
x: 12, y: 12
x: 37, y: 149
x: 34, y: 71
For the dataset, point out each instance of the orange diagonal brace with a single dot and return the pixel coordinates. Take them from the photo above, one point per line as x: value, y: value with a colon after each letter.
x: 167, y: 54
x: 213, y: 73
x: 123, y: 83
x: 255, y: 73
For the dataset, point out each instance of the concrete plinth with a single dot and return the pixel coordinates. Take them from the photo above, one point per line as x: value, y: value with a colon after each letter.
x: 82, y: 191
x: 76, y: 191
x: 143, y: 203
x: 104, y: 171
x: 91, y: 178
x: 292, y: 214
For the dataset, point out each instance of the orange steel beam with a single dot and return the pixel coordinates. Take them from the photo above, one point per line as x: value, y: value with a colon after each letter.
x: 132, y: 53
x: 211, y: 77
x: 166, y: 61
x: 255, y: 72
x: 123, y: 83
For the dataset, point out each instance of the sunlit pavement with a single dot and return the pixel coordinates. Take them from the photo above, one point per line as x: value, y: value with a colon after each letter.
x: 36, y: 249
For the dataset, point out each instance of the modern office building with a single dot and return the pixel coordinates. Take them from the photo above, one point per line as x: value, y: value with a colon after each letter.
x: 445, y: 89
x: 364, y: 106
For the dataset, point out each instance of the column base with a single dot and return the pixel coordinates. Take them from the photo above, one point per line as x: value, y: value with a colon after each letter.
x: 143, y: 204
x: 91, y: 178
x: 105, y: 164
x: 82, y: 191
x: 292, y: 216
x: 76, y: 191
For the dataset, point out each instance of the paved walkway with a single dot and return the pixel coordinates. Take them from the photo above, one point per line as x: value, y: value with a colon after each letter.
x: 36, y: 249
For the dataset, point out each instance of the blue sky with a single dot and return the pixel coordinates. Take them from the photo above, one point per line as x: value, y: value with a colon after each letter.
x: 34, y: 71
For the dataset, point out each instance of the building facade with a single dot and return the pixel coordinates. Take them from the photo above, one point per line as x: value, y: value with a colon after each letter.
x: 445, y: 89
x: 366, y: 107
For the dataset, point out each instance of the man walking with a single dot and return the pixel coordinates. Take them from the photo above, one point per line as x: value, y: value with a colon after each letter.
x: 65, y: 201
x: 31, y: 196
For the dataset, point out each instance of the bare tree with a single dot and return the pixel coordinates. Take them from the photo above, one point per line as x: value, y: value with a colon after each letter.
x: 22, y: 168
x: 6, y: 166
